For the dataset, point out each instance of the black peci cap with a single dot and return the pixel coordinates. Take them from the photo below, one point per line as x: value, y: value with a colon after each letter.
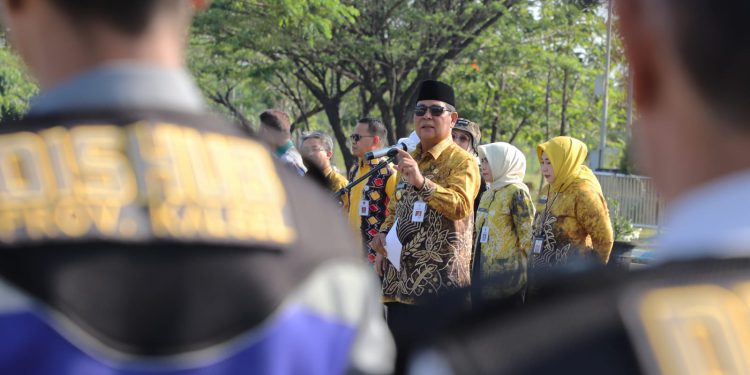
x: 436, y: 90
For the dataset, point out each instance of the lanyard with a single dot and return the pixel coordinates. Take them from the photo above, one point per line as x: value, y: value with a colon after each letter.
x: 547, y: 209
x: 484, y: 219
x: 488, y: 207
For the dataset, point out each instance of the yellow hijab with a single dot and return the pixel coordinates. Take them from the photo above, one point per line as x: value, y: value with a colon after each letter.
x: 567, y: 155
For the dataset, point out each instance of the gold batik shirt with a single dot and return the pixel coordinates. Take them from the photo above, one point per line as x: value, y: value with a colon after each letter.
x: 508, y: 215
x: 336, y: 182
x: 436, y: 253
x: 576, y: 225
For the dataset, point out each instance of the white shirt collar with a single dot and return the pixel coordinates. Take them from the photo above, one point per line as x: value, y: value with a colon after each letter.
x: 712, y: 220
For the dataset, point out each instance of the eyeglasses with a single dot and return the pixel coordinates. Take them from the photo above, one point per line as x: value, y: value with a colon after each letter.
x: 313, y: 149
x: 435, y: 110
x: 356, y: 137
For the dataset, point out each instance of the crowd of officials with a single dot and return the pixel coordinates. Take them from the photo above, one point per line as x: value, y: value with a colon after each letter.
x: 461, y: 211
x: 141, y: 234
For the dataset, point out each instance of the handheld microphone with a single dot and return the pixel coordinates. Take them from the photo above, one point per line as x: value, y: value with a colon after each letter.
x: 407, y: 144
x: 388, y: 151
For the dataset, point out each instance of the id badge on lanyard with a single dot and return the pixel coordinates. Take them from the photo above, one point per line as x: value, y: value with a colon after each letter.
x: 539, y: 239
x: 364, y: 207
x: 538, y: 242
x: 484, y: 237
x: 417, y: 215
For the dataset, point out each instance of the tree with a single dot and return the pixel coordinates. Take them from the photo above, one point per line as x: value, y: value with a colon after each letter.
x: 235, y: 34
x: 532, y: 76
x: 378, y: 50
x: 399, y: 44
x: 15, y: 86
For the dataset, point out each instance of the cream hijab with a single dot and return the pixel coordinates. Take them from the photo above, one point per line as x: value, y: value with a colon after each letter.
x: 507, y: 163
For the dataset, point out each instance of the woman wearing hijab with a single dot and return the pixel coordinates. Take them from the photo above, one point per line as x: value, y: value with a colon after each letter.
x: 503, y: 225
x: 573, y: 220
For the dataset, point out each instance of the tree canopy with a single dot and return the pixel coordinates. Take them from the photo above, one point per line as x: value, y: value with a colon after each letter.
x: 15, y: 86
x: 525, y: 70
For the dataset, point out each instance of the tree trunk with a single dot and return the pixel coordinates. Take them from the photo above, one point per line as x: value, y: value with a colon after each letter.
x: 302, y: 119
x: 564, y: 106
x: 332, y: 109
x: 493, y: 135
x: 402, y: 121
x: 497, y: 101
x: 385, y: 113
x: 547, y: 104
x: 404, y: 101
x: 517, y: 130
x: 364, y: 103
x: 224, y: 100
x: 546, y: 117
x: 629, y: 122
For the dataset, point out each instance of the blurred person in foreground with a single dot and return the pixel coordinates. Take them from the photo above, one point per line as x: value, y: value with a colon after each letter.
x: 693, y: 132
x: 688, y: 313
x: 142, y: 235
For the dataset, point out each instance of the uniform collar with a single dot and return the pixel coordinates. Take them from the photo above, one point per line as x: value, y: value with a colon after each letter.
x: 286, y: 147
x: 122, y: 84
x: 691, y: 235
x: 436, y: 150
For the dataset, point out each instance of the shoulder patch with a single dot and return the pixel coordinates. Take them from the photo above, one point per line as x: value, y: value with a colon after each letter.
x: 691, y: 329
x: 139, y: 182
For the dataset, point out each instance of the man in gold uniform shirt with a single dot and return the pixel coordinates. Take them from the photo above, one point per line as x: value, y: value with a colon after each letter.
x: 432, y: 212
x: 368, y: 200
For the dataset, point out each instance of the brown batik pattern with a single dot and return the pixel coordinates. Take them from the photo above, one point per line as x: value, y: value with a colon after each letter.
x: 435, y: 254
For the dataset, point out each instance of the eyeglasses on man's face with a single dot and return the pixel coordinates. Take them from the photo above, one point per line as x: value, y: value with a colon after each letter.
x: 311, y: 150
x: 435, y: 110
x: 356, y: 137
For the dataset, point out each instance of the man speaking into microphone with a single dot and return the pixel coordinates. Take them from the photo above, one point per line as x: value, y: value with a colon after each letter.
x: 432, y: 212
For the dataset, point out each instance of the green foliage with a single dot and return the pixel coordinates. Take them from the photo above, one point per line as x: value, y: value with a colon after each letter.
x: 272, y: 20
x: 233, y: 51
x: 525, y: 70
x: 533, y: 76
x: 15, y: 86
x: 627, y: 162
x: 622, y: 227
x: 369, y: 63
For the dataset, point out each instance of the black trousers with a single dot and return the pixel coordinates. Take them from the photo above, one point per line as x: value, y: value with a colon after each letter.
x: 402, y: 319
x: 405, y: 322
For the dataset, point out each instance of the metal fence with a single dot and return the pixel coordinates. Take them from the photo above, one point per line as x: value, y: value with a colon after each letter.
x: 634, y: 196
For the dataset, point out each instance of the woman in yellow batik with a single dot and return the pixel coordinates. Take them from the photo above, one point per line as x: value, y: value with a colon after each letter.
x: 503, y: 225
x: 572, y: 220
